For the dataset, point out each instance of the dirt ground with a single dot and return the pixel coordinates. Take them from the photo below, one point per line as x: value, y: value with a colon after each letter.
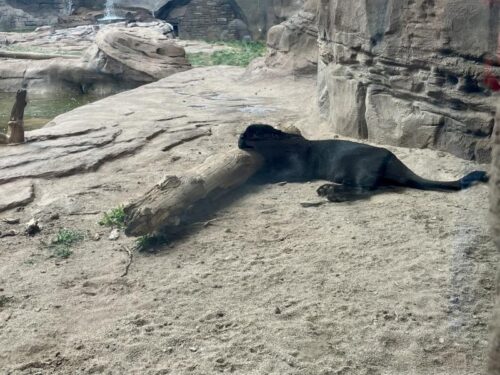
x: 401, y: 284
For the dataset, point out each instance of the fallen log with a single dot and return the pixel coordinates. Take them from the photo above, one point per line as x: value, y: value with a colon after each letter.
x: 166, y: 205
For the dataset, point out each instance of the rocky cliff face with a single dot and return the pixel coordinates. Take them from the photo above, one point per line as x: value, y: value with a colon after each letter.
x: 409, y: 73
x: 292, y: 45
x: 258, y: 15
x: 19, y: 14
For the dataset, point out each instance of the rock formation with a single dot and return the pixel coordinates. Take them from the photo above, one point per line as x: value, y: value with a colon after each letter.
x: 409, y: 73
x: 117, y: 58
x: 258, y: 16
x: 292, y: 45
x: 136, y: 54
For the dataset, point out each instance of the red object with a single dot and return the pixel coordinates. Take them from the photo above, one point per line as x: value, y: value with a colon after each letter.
x: 492, y: 82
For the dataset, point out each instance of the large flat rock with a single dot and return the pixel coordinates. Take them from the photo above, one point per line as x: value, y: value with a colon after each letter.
x: 149, y: 121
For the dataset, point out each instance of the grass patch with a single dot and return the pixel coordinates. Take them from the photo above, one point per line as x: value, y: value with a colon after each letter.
x: 64, y: 240
x: 44, y: 51
x: 237, y: 54
x: 114, y: 218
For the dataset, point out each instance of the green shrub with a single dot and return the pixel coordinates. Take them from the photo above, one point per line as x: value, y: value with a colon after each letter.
x: 114, y: 218
x: 64, y: 240
x: 237, y: 54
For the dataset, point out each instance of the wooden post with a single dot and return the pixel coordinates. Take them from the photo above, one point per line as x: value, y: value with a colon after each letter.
x: 166, y: 204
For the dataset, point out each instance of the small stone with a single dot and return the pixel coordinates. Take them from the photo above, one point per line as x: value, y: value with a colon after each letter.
x: 193, y: 349
x: 114, y: 235
x: 96, y: 237
x: 54, y: 216
x: 441, y: 340
x: 10, y: 233
x: 11, y: 220
x: 277, y: 310
x: 32, y: 227
x: 220, y: 360
x: 312, y: 204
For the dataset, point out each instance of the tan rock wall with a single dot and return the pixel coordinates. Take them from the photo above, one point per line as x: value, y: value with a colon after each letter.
x: 410, y: 72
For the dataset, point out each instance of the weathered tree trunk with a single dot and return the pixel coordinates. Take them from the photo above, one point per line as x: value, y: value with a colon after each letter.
x: 164, y: 206
x: 16, y: 123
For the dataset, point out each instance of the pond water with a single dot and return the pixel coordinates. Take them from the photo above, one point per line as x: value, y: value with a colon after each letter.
x: 40, y: 109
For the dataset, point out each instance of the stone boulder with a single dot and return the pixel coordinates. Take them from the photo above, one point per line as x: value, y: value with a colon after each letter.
x: 409, y: 73
x: 117, y: 59
x: 136, y: 54
x: 292, y: 45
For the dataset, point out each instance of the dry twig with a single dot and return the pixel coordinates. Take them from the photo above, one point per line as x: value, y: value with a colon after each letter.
x: 130, y: 259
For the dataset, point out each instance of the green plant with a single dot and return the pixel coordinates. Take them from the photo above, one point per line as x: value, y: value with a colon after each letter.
x: 63, y: 241
x: 114, y: 218
x: 67, y: 237
x: 237, y: 53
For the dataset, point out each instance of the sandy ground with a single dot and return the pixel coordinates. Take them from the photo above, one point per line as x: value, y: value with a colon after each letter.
x: 400, y: 284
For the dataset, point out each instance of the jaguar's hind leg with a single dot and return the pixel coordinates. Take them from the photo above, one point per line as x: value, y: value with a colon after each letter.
x: 343, y: 193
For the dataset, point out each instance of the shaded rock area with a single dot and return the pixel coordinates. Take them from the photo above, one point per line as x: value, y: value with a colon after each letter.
x: 409, y: 73
x: 117, y: 58
x: 269, y: 282
x: 27, y: 14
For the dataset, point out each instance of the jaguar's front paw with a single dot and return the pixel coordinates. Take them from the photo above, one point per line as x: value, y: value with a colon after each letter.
x: 326, y: 190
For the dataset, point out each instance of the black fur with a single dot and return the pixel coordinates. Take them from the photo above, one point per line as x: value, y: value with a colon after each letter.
x: 356, y: 169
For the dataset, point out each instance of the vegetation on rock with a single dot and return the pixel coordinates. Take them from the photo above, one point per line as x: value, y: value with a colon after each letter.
x: 239, y: 54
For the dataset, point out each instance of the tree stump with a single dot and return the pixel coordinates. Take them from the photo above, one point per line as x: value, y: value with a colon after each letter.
x: 166, y: 204
x: 16, y: 122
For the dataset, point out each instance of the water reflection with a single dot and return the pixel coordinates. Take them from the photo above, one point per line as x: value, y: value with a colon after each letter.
x: 40, y: 109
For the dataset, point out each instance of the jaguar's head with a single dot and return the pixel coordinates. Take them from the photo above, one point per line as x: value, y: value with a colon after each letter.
x: 262, y: 137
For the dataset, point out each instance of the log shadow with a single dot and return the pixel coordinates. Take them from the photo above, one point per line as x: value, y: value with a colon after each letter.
x: 197, y: 218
